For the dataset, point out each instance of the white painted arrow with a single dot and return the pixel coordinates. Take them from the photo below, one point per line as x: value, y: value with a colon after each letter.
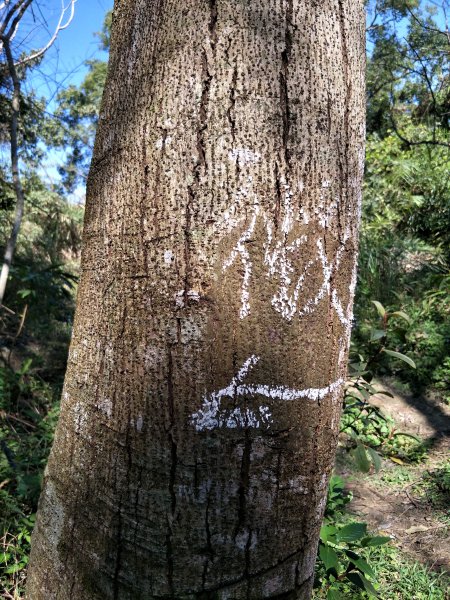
x: 212, y: 416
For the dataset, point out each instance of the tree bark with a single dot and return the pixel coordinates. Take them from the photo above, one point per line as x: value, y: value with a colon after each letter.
x: 202, y: 398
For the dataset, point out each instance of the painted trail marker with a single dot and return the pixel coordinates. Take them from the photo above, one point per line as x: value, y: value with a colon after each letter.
x: 213, y: 416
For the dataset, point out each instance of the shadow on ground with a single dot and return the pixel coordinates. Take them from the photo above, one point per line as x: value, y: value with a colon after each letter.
x: 409, y: 502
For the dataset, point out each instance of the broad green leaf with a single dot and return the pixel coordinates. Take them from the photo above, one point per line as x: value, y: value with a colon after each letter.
x: 364, y: 566
x: 361, y: 460
x: 359, y: 580
x: 352, y: 532
x: 410, y: 435
x: 377, y: 334
x: 402, y: 315
x: 376, y: 459
x: 334, y: 594
x: 401, y: 356
x: 369, y: 388
x: 329, y: 557
x: 380, y: 308
x: 327, y: 532
x: 376, y: 540
x: 337, y: 482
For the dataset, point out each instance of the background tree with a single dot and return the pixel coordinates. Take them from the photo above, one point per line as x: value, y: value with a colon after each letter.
x: 11, y: 17
x: 404, y: 259
x: 77, y: 116
x: 203, y: 393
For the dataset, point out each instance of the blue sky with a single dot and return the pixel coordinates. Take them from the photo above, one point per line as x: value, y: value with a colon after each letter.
x: 63, y: 63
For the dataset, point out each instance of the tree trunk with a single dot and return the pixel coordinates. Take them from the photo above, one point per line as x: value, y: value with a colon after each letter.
x: 203, y: 393
x: 20, y: 197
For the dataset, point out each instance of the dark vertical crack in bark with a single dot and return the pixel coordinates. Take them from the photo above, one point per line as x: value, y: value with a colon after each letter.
x: 244, y: 482
x: 231, y: 111
x: 248, y: 546
x: 201, y: 163
x: 278, y: 196
x: 213, y: 22
x: 242, y: 523
x: 116, y: 590
x: 284, y: 88
x: 209, y: 547
x: 187, y: 243
x: 145, y: 193
x: 172, y: 476
x: 203, y: 116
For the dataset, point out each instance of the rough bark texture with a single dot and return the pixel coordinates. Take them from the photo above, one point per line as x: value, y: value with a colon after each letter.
x: 204, y: 385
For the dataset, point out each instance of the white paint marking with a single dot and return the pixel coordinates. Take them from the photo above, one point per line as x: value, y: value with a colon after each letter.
x: 193, y: 295
x: 139, y: 423
x: 180, y: 297
x: 162, y: 142
x: 212, y: 416
x: 105, y: 406
x: 168, y: 257
x: 241, y: 251
x: 244, y: 156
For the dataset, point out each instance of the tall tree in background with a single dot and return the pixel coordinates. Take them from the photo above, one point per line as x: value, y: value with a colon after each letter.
x: 12, y: 16
x: 408, y: 75
x: 203, y: 393
x: 77, y: 116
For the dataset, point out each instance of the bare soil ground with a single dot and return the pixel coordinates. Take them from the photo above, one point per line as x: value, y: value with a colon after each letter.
x: 400, y: 501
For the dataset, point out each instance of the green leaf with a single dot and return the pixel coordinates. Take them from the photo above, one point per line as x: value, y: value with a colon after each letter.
x: 377, y: 334
x: 327, y: 532
x: 359, y: 580
x: 5, y: 557
x: 336, y: 483
x: 14, y: 568
x: 352, y: 532
x: 376, y: 459
x: 361, y: 460
x: 329, y: 557
x: 24, y: 293
x: 400, y: 356
x: 402, y: 315
x: 25, y: 366
x: 409, y: 435
x: 334, y: 594
x: 380, y: 308
x: 364, y: 566
x: 377, y: 540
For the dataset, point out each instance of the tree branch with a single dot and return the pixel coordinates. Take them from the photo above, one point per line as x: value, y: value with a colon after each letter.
x: 60, y: 26
x: 9, y: 15
x: 416, y: 142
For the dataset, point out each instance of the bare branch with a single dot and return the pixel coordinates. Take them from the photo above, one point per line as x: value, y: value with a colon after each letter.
x: 415, y: 142
x: 60, y: 26
x: 9, y: 15
x: 21, y: 7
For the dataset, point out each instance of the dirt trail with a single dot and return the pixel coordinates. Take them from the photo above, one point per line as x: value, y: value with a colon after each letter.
x: 396, y: 501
